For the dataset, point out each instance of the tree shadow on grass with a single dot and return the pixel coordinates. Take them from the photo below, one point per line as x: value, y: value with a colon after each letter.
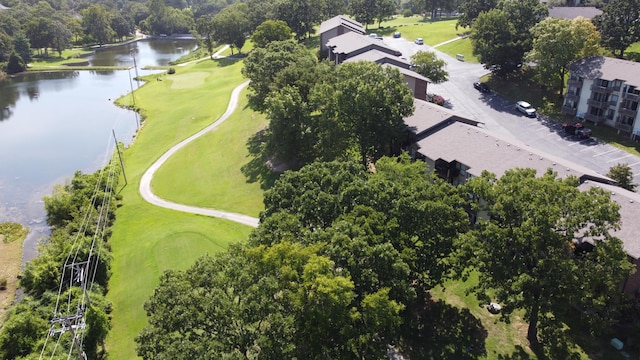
x: 256, y: 170
x: 230, y: 60
x: 438, y: 330
x: 518, y: 354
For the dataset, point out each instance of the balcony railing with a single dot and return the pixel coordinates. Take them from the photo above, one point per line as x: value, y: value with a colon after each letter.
x: 603, y: 89
x: 597, y: 103
x: 623, y: 127
x: 575, y: 82
x: 628, y: 112
x: 571, y: 96
x: 631, y: 96
x: 594, y: 118
x: 568, y: 110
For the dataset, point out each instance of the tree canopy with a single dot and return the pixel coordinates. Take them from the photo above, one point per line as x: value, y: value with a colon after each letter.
x: 557, y: 43
x: 501, y: 36
x: 623, y: 175
x: 618, y: 25
x: 269, y: 31
x: 427, y: 64
x: 544, y: 246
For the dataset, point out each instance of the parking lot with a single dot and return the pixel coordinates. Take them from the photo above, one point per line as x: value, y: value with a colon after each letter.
x: 500, y: 116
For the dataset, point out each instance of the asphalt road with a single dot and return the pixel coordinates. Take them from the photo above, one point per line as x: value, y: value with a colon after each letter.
x: 498, y: 115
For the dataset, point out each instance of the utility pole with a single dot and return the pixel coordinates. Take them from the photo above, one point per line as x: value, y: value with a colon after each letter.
x: 120, y: 157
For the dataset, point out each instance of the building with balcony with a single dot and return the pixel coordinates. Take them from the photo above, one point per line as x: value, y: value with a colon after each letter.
x: 337, y: 26
x: 605, y: 91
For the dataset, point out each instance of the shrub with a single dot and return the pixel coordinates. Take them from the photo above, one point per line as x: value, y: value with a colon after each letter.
x: 407, y: 13
x: 172, y: 70
x: 3, y: 283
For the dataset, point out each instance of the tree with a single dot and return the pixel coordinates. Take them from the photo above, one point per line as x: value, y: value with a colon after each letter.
x: 369, y: 103
x: 22, y: 46
x: 557, y: 43
x: 471, y: 9
x: 427, y: 64
x: 300, y: 15
x: 500, y: 37
x: 122, y: 25
x: 385, y: 9
x: 618, y: 25
x: 623, y: 175
x: 264, y: 64
x: 61, y: 37
x: 231, y: 25
x: 531, y: 249
x: 205, y: 29
x: 271, y: 30
x: 96, y: 22
x: 364, y: 11
x: 6, y: 46
x: 40, y: 33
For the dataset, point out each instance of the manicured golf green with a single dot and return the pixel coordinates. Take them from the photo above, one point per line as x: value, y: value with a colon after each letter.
x: 146, y: 239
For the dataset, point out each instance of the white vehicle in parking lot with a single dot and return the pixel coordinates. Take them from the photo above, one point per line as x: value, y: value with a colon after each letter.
x: 419, y: 41
x: 526, y: 108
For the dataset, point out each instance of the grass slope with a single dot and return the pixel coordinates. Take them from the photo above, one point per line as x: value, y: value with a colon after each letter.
x: 146, y: 239
x: 207, y: 171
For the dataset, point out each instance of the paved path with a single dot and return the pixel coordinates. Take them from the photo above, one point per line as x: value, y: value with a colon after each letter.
x: 145, y: 182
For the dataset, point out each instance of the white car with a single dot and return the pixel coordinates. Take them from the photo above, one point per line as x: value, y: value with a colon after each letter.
x: 419, y: 41
x: 526, y: 108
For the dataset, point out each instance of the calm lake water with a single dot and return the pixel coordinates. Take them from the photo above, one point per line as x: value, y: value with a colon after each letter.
x: 53, y: 124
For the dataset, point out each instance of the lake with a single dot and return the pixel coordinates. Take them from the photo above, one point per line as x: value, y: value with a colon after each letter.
x: 55, y: 123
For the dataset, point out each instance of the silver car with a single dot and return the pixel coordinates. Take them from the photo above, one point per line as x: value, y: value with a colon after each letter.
x: 526, y: 108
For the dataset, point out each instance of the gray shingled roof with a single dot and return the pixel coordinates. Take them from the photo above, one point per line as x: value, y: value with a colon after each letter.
x: 629, y: 203
x: 570, y: 13
x: 408, y: 72
x: 600, y: 67
x: 350, y: 42
x: 480, y: 150
x: 377, y: 56
x: 336, y: 21
x: 428, y: 116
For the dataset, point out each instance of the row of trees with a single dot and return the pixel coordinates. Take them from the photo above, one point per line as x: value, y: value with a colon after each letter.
x: 69, y: 210
x: 343, y: 259
x: 506, y: 34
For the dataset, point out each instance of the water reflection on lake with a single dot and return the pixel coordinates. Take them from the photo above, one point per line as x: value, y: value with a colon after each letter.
x: 54, y: 123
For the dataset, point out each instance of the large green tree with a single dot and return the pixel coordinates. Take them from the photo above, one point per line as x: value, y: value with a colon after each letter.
x: 427, y: 64
x: 530, y: 246
x: 231, y: 26
x: 96, y: 22
x: 618, y: 25
x: 471, y: 9
x: 271, y: 30
x: 369, y: 102
x: 557, y: 43
x: 501, y: 36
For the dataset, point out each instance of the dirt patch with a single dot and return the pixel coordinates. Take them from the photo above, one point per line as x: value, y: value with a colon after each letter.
x: 10, y: 260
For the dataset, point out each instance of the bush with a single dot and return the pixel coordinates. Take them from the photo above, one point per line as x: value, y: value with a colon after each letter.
x: 407, y: 13
x: 3, y: 283
x: 172, y: 70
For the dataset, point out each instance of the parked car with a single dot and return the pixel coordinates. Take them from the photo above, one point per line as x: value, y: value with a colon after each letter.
x: 482, y: 87
x: 526, y: 108
x: 419, y: 41
x: 577, y: 129
x: 375, y: 36
x: 396, y: 34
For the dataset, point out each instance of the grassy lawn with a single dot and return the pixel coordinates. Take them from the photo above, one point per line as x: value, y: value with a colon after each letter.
x: 208, y: 170
x: 508, y: 340
x: 11, y: 237
x: 462, y: 46
x: 413, y: 27
x: 146, y: 239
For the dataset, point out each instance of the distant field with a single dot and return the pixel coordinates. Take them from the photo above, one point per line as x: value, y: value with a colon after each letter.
x: 413, y: 27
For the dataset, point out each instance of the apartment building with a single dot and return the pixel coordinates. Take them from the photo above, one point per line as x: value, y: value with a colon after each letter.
x: 605, y: 91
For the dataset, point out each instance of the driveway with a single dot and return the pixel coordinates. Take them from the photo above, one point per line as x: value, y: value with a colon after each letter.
x: 498, y: 115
